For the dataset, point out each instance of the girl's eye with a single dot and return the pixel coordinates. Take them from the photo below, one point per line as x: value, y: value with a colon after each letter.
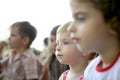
x: 62, y: 43
x: 80, y: 18
x: 12, y: 35
x: 66, y: 43
x: 51, y: 40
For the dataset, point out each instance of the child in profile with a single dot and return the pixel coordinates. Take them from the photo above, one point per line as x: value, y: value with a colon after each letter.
x: 68, y: 53
x: 21, y: 63
x: 96, y: 27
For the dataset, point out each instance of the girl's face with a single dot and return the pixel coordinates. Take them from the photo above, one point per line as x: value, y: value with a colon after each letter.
x: 53, y: 42
x: 88, y: 30
x: 15, y: 39
x: 66, y: 51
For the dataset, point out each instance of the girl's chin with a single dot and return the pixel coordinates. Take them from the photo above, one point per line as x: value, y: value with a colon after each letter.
x: 81, y: 49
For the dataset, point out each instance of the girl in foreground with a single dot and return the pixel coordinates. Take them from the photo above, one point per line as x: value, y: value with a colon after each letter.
x: 96, y: 27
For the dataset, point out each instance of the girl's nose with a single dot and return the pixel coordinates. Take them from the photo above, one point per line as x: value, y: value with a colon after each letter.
x: 71, y: 27
x: 58, y: 48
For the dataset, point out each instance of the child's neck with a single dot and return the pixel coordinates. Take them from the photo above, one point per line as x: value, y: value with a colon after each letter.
x: 110, y: 54
x: 21, y: 50
x: 76, y: 71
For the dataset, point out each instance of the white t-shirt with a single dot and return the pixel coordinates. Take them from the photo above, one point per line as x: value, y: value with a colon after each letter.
x: 111, y: 72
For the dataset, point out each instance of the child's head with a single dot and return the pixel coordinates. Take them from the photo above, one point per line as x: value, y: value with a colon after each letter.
x: 53, y: 38
x: 46, y: 41
x: 96, y: 23
x: 66, y: 51
x: 24, y: 32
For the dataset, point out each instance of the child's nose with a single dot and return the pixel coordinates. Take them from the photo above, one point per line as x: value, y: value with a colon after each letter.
x: 71, y: 27
x: 57, y: 48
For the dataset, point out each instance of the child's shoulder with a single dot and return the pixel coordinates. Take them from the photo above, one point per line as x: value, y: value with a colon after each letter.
x: 64, y: 75
x: 29, y: 57
x: 30, y: 53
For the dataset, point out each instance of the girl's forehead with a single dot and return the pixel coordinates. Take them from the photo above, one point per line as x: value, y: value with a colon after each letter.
x: 84, y: 8
x: 77, y: 3
x: 82, y: 3
x: 63, y: 36
x: 86, y: 1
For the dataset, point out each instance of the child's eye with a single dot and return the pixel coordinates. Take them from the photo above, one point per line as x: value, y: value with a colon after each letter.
x: 80, y: 18
x: 12, y: 35
x: 62, y: 43
x: 66, y: 43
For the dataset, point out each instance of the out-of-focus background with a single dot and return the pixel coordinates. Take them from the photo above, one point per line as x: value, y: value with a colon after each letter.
x: 43, y: 14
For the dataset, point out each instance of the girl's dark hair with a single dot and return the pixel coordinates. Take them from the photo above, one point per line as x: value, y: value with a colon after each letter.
x: 54, y: 30
x: 26, y: 29
x: 111, y: 12
x: 53, y: 57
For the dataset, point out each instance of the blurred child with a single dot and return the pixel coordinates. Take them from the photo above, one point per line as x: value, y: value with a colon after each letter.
x: 21, y: 63
x: 3, y: 44
x: 44, y: 58
x: 68, y: 53
x: 96, y: 27
x: 55, y: 67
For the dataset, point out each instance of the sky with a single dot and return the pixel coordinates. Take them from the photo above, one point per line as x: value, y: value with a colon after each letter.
x: 43, y: 14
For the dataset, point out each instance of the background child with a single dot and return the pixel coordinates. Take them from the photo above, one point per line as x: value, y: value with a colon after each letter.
x: 45, y: 54
x: 3, y: 45
x: 44, y: 58
x: 96, y: 27
x: 68, y: 53
x: 21, y: 63
x: 55, y: 67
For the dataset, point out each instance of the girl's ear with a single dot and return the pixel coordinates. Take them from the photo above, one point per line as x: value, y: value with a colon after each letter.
x: 113, y: 26
x: 93, y: 55
x: 86, y: 54
x: 90, y: 55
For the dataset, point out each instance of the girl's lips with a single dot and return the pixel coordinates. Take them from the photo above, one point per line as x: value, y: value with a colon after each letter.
x: 59, y: 55
x: 75, y: 39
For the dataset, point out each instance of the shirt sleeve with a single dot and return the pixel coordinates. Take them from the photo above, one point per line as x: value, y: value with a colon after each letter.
x: 63, y: 75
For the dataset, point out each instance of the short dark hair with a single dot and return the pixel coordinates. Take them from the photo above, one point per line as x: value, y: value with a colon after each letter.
x: 46, y: 41
x: 26, y: 29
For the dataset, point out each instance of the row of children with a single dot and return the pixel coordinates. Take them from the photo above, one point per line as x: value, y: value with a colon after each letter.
x: 94, y: 30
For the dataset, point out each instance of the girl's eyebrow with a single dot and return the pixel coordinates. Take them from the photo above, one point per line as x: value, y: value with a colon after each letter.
x: 62, y: 40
